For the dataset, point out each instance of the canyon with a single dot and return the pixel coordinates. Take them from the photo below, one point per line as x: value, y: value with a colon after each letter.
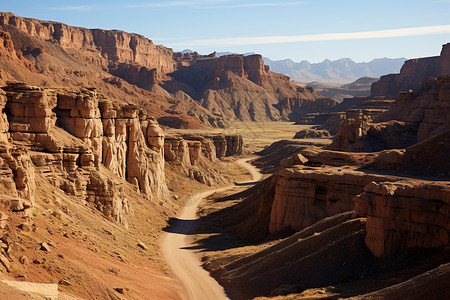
x: 112, y: 146
x: 373, y: 202
x: 180, y: 89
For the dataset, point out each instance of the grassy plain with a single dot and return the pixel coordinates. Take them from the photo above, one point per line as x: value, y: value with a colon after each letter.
x: 256, y: 135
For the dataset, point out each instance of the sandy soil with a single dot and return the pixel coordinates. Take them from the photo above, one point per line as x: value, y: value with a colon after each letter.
x: 196, y: 282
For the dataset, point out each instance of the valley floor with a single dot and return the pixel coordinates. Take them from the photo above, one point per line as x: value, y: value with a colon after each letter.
x: 179, y: 252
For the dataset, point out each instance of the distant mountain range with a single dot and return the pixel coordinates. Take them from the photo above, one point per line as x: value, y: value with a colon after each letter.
x: 342, y: 71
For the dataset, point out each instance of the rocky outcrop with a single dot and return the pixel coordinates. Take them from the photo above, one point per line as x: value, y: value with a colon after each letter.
x: 196, y: 155
x: 187, y: 148
x: 176, y: 150
x: 195, y: 150
x: 305, y: 195
x: 136, y: 74
x: 4, y: 125
x: 414, y: 117
x: 18, y: 174
x: 242, y: 87
x: 234, y: 145
x: 370, y: 108
x: 413, y: 73
x: 444, y: 63
x: 7, y: 51
x: 255, y: 69
x: 72, y: 136
x: 426, y: 109
x: 402, y: 210
x: 405, y: 214
x: 349, y: 135
x: 312, y: 134
x: 411, y: 76
x: 401, y: 213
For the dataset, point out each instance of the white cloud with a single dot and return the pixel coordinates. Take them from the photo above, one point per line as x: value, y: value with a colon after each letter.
x: 198, y: 4
x: 262, y: 4
x: 77, y: 7
x: 168, y: 4
x: 390, y: 33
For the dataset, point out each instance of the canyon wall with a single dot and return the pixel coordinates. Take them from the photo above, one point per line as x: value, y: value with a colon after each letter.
x: 69, y: 136
x: 405, y: 214
x: 304, y: 196
x: 101, y: 47
x: 242, y: 87
x: 413, y: 73
x: 89, y: 146
x: 401, y: 212
x: 177, y: 88
x: 193, y: 154
x: 413, y: 117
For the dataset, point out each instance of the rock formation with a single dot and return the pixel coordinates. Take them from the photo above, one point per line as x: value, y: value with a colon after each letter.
x: 312, y: 134
x: 369, y: 107
x: 7, y: 51
x: 413, y: 117
x: 176, y: 149
x: 304, y: 196
x: 413, y: 73
x: 72, y: 135
x: 74, y: 138
x: 405, y: 214
x: 193, y: 154
x: 108, y: 45
x: 217, y: 82
x: 179, y: 90
x: 402, y: 209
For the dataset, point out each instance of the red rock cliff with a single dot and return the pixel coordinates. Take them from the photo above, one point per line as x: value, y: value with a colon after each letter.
x: 405, y: 214
x: 97, y: 45
x: 413, y: 73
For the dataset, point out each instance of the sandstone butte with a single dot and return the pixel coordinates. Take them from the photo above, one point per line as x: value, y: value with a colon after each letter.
x: 89, y: 177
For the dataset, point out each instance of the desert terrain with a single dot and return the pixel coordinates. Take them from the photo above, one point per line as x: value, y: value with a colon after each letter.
x: 130, y: 171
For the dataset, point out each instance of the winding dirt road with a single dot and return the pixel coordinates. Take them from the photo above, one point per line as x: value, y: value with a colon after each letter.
x: 185, y: 264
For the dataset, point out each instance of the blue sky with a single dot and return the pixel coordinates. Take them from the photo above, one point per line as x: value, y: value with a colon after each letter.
x: 313, y: 30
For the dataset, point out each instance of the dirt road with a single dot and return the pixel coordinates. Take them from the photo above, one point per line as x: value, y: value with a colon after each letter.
x: 185, y: 264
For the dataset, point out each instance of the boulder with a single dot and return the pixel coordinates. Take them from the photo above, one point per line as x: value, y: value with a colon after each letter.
x: 312, y: 134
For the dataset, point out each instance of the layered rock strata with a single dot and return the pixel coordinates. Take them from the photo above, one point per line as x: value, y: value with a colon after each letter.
x: 216, y: 82
x: 413, y: 73
x: 187, y: 148
x: 405, y: 214
x: 401, y: 212
x: 193, y: 154
x: 97, y: 46
x: 414, y: 117
x: 185, y: 90
x: 69, y: 136
x: 350, y: 108
x: 305, y: 195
